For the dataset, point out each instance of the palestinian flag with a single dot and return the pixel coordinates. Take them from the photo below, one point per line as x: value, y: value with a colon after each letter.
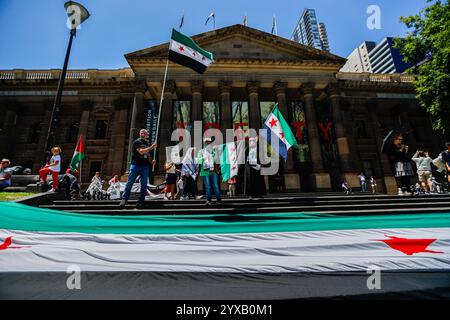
x: 183, y: 50
x: 278, y: 133
x: 229, y: 161
x: 78, y: 155
x: 283, y: 255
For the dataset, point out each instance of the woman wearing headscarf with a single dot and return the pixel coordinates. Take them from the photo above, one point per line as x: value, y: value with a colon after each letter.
x: 190, y: 169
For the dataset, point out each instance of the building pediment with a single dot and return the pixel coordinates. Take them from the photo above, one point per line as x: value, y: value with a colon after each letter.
x: 238, y: 43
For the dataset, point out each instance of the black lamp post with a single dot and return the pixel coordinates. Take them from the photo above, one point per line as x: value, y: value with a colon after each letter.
x: 77, y: 15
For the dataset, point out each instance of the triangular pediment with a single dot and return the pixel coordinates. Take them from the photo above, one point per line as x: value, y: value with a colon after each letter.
x: 244, y: 43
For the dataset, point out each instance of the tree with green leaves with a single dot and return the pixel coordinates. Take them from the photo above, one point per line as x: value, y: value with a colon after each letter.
x: 427, y: 48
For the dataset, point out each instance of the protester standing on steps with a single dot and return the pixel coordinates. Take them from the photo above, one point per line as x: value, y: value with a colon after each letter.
x: 256, y: 186
x: 402, y: 164
x: 362, y: 182
x: 208, y: 170
x: 139, y: 167
x: 445, y: 155
x: 190, y: 169
x: 423, y: 164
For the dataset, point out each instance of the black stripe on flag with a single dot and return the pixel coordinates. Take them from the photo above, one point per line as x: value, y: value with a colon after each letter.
x: 187, y: 62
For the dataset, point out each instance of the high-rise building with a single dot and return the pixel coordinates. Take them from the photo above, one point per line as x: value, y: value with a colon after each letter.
x: 308, y: 31
x: 358, y: 60
x: 381, y: 58
x: 324, y: 37
x: 384, y: 58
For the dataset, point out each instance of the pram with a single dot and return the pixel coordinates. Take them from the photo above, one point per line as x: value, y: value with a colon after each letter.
x: 153, y: 191
x: 95, y: 191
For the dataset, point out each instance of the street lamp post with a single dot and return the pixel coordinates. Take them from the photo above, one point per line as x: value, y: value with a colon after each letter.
x: 77, y: 15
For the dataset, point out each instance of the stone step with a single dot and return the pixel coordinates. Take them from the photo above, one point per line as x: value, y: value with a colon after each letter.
x: 233, y: 208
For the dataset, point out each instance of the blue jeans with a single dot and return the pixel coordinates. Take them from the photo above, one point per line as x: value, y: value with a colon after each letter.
x: 136, y: 171
x: 4, y: 184
x: 363, y: 186
x: 214, y: 180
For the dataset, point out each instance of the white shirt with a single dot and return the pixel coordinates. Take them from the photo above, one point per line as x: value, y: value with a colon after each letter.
x: 56, y: 168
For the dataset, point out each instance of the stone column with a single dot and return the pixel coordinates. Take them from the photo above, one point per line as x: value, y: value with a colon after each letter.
x: 84, y: 126
x: 403, y: 119
x: 389, y: 184
x: 355, y: 160
x: 165, y: 126
x: 226, y: 121
x: 118, y: 136
x: 135, y: 126
x: 197, y: 101
x: 47, y: 110
x: 348, y: 172
x: 253, y: 105
x: 292, y: 179
x: 320, y: 177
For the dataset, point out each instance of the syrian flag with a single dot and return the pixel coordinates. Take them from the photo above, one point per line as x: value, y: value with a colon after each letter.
x: 181, y: 22
x: 276, y: 127
x: 78, y: 155
x: 35, y: 239
x: 274, y: 26
x: 229, y: 161
x: 318, y: 248
x: 213, y: 16
x: 184, y: 51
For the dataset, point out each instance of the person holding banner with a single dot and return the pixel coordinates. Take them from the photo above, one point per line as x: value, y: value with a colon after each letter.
x: 139, y: 167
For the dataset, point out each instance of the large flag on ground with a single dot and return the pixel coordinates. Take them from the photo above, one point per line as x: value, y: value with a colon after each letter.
x: 280, y: 129
x: 78, y: 155
x: 308, y: 245
x: 229, y: 161
x: 183, y: 50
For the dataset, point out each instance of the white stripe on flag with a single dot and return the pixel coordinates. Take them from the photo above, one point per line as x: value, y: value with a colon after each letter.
x: 273, y: 123
x: 189, y: 52
x: 313, y: 251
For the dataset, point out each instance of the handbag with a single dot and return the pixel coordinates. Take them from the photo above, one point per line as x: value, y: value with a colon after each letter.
x: 439, y: 164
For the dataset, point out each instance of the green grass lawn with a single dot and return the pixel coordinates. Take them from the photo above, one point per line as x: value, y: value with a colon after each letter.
x: 11, y: 196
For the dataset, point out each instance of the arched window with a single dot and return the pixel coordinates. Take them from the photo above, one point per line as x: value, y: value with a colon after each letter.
x: 72, y: 134
x: 35, y: 133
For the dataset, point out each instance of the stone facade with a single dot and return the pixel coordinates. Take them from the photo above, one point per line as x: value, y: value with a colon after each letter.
x: 339, y: 118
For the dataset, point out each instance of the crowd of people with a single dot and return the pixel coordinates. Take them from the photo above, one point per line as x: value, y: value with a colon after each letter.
x: 181, y: 179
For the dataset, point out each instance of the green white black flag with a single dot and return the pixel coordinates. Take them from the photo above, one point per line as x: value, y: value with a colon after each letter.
x: 183, y: 50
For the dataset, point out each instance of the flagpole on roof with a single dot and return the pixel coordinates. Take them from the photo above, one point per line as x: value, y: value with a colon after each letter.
x: 182, y: 23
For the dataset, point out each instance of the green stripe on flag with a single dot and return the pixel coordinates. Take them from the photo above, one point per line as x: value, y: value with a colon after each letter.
x: 16, y: 216
x: 288, y: 134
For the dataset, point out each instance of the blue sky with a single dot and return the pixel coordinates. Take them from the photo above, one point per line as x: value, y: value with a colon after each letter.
x: 33, y: 33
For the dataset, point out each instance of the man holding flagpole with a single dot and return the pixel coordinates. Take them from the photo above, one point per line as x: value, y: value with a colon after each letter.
x: 139, y: 167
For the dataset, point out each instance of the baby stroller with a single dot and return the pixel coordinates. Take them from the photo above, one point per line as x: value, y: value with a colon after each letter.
x: 153, y: 191
x: 95, y: 191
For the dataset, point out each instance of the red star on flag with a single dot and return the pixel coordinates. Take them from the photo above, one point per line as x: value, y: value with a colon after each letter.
x: 273, y: 123
x: 7, y: 244
x: 282, y: 135
x: 181, y: 48
x: 410, y: 246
